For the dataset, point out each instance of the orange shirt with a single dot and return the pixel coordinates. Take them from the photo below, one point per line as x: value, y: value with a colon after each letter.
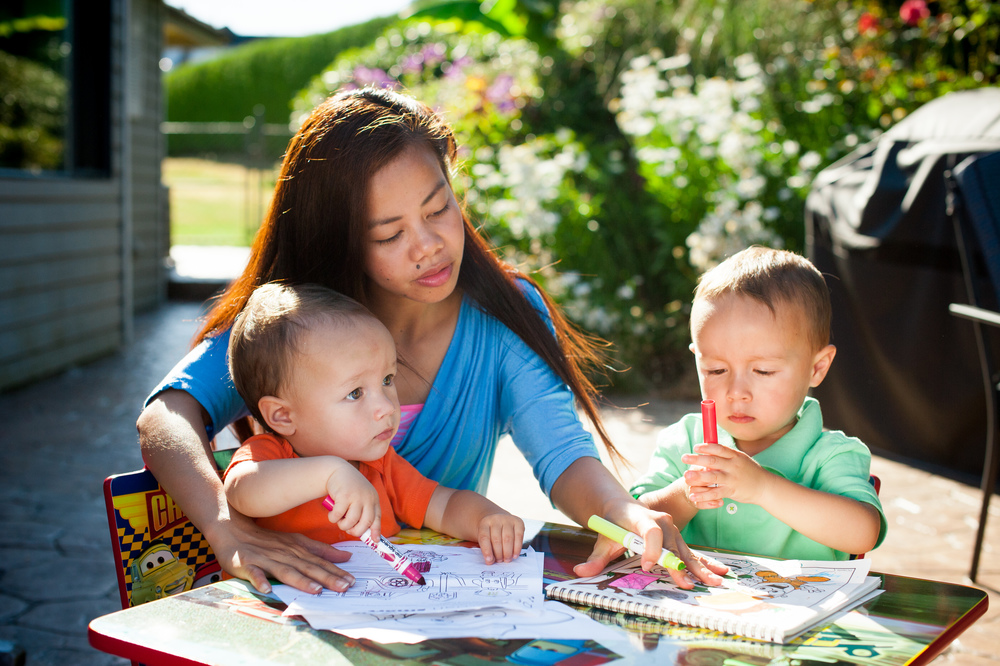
x: 403, y: 492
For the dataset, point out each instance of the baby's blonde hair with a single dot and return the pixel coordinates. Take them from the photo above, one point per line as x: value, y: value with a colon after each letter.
x: 268, y: 331
x: 773, y: 276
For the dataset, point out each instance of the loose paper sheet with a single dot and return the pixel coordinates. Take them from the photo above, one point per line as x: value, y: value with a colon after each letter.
x: 462, y: 597
x: 457, y: 579
x: 555, y: 621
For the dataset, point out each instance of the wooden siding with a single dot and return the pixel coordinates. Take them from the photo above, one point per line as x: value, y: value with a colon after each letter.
x: 60, y: 275
x: 150, y: 229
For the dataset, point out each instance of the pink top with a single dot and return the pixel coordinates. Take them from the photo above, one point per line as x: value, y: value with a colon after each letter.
x: 407, y: 414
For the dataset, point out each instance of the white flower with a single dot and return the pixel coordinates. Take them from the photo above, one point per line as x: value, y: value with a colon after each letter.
x: 810, y: 161
x: 674, y: 62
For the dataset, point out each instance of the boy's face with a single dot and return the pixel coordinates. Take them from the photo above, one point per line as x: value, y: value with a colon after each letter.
x: 756, y: 366
x: 341, y: 394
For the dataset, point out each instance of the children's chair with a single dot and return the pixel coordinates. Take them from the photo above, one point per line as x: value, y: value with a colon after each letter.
x: 158, y: 551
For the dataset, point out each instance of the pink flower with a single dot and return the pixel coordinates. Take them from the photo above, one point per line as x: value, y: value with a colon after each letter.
x: 914, y: 11
x: 868, y: 24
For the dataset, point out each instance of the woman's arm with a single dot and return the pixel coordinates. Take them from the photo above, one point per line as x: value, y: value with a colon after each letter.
x: 176, y: 450
x: 587, y: 488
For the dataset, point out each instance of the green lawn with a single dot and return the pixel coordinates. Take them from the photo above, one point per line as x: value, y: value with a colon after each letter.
x: 215, y: 203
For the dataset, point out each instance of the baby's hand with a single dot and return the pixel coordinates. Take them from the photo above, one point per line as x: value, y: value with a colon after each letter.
x: 500, y: 537
x: 355, y: 501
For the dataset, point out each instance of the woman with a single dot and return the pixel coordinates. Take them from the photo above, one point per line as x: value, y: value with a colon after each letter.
x: 364, y: 205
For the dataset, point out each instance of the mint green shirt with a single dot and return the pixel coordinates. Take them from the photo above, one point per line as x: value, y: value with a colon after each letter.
x: 828, y: 461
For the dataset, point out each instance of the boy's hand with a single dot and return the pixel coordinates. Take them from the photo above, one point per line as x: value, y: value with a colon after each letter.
x: 355, y: 501
x: 500, y: 537
x: 724, y: 472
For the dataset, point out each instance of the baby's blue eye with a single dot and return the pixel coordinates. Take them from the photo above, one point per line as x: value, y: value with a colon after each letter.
x: 355, y: 394
x: 387, y: 381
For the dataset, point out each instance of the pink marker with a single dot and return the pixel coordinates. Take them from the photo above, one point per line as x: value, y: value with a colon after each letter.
x: 387, y: 551
x: 708, y: 421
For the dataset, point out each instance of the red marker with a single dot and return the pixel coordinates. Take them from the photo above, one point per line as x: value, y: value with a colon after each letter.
x: 387, y: 551
x: 708, y: 421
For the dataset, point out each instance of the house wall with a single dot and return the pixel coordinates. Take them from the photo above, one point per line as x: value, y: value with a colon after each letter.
x: 78, y: 256
x: 150, y: 218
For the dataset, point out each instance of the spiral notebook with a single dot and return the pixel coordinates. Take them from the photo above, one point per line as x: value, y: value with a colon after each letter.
x: 760, y: 598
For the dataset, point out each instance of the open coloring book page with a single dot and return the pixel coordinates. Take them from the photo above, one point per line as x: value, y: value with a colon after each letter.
x: 457, y: 579
x: 759, y: 597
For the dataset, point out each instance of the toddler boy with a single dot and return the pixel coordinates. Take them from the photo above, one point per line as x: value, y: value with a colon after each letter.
x: 776, y: 484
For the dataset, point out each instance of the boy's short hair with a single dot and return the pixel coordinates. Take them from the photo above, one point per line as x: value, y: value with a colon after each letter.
x: 268, y: 331
x: 773, y: 276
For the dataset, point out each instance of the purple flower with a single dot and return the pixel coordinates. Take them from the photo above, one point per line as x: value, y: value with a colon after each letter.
x: 499, y: 92
x: 453, y: 69
x: 432, y: 54
x: 373, y: 76
x: 413, y: 64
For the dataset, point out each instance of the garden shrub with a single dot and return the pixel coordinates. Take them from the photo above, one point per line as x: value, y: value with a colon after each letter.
x: 265, y: 72
x: 636, y: 143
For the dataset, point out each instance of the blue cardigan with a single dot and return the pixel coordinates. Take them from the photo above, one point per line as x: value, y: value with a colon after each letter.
x: 490, y: 384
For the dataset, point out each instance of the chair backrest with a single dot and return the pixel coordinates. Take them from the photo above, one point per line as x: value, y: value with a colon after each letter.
x: 157, y: 550
x: 877, y: 485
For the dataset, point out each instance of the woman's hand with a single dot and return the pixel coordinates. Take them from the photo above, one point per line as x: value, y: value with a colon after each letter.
x: 587, y: 488
x: 176, y: 450
x: 657, y: 531
x: 253, y: 553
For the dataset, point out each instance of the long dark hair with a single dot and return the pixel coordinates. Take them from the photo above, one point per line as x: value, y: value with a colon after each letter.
x: 315, y: 231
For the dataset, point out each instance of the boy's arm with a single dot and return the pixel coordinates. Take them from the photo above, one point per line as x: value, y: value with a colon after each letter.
x: 270, y: 487
x: 470, y: 516
x: 838, y: 522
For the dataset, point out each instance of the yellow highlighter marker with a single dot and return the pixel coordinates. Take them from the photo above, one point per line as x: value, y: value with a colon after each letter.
x: 633, y: 542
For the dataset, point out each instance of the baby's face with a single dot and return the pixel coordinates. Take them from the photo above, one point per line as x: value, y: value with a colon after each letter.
x: 756, y: 366
x: 342, y: 391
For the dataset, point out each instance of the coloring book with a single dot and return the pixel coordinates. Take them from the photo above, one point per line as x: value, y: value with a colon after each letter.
x: 761, y: 598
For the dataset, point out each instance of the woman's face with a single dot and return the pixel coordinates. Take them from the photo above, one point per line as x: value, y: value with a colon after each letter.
x: 416, y: 233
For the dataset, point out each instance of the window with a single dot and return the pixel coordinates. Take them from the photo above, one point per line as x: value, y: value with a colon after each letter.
x: 55, y: 87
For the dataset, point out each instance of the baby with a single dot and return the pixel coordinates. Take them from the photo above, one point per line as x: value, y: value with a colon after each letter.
x: 316, y: 370
x: 776, y: 484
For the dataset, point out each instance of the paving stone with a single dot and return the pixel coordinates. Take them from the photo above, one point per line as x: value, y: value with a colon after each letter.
x: 68, y: 577
x: 20, y: 535
x: 71, y: 617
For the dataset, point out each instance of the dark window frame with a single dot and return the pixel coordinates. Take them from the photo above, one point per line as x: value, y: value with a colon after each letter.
x: 87, y: 151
